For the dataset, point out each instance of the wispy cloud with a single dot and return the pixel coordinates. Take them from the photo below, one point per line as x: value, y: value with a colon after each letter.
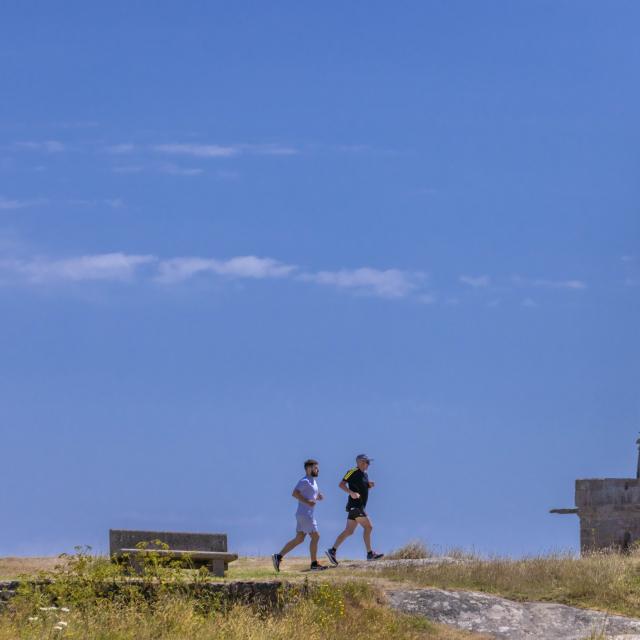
x: 175, y: 170
x: 475, y: 281
x: 529, y: 303
x: 113, y: 203
x: 387, y: 283
x: 8, y: 204
x: 118, y: 266
x: 46, y: 146
x: 223, y: 151
x: 105, y: 266
x: 576, y: 285
x: 179, y: 269
x: 197, y: 150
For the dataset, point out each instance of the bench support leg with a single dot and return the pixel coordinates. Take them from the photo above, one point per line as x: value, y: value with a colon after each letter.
x: 218, y: 567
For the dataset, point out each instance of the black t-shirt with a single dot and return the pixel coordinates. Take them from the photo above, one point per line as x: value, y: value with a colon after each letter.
x: 357, y: 481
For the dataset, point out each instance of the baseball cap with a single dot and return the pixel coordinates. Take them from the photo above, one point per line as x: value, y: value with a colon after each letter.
x: 364, y: 456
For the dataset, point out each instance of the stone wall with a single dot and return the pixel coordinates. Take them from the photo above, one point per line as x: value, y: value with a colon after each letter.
x: 262, y: 594
x: 609, y: 511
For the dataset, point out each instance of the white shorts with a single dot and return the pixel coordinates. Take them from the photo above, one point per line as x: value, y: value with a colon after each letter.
x: 306, y: 524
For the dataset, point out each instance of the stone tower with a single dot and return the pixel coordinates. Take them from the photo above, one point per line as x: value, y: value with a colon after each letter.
x: 609, y: 511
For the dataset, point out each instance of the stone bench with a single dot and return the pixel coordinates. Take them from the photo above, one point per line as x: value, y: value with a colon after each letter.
x: 198, y: 549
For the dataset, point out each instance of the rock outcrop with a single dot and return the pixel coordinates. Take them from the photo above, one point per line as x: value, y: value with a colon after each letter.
x: 508, y: 620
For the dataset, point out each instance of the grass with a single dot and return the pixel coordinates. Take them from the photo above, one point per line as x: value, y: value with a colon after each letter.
x: 332, y: 612
x: 413, y: 550
x: 605, y: 581
x: 76, y: 605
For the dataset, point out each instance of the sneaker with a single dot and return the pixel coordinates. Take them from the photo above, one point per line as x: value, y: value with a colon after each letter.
x: 276, y: 558
x: 331, y: 554
x: 372, y: 555
x: 315, y: 566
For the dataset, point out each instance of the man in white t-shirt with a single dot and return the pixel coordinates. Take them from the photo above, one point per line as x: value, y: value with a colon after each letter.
x: 306, y: 492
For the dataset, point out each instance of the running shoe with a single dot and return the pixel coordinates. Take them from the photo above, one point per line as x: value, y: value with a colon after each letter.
x: 372, y: 555
x: 331, y: 554
x: 315, y: 566
x: 276, y: 558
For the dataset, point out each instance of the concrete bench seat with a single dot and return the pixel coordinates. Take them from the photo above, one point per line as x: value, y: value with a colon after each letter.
x: 200, y: 549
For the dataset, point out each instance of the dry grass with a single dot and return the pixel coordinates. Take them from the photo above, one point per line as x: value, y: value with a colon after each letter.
x: 413, y: 550
x: 349, y: 610
x: 12, y: 567
x: 605, y: 581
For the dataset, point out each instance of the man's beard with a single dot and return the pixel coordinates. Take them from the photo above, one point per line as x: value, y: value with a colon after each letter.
x: 314, y: 474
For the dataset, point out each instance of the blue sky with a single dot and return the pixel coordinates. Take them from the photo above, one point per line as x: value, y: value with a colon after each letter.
x: 235, y: 235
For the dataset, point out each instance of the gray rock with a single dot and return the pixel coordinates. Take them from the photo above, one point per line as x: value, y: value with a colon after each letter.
x: 509, y: 620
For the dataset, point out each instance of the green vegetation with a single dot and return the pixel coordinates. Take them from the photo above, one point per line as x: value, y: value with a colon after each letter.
x: 606, y: 581
x: 89, y: 597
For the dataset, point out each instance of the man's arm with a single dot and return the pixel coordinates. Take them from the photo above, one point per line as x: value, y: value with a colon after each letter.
x: 345, y: 487
x: 298, y: 496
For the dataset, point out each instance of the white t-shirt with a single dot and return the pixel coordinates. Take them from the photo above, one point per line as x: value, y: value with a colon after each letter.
x: 308, y: 487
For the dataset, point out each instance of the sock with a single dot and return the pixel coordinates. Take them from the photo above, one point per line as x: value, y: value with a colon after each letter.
x: 314, y: 563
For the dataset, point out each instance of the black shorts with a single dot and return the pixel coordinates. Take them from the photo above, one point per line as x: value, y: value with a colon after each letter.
x: 356, y: 512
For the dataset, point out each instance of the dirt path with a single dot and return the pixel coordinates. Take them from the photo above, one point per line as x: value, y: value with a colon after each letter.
x: 509, y: 620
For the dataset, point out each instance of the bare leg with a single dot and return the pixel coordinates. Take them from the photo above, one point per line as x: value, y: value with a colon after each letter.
x: 313, y: 545
x: 349, y: 529
x: 293, y: 543
x: 367, y: 527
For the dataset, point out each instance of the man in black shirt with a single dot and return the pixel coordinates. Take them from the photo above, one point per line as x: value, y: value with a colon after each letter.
x: 357, y: 484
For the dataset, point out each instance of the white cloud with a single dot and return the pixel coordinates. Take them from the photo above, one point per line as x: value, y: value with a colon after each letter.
x: 224, y: 151
x: 268, y: 149
x: 575, y: 285
x: 175, y: 170
x: 627, y: 259
x: 7, y: 204
x: 389, y: 283
x: 106, y: 266
x: 197, y: 150
x: 46, y: 146
x: 385, y: 283
x: 113, y: 203
x: 179, y: 269
x: 475, y: 281
x: 529, y: 302
x: 561, y: 284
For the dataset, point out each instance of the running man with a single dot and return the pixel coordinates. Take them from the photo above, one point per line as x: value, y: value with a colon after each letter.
x: 306, y: 492
x: 357, y: 484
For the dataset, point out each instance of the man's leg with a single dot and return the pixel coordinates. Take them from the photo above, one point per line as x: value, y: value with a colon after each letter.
x: 293, y: 543
x: 348, y: 531
x: 313, y: 545
x: 367, y: 527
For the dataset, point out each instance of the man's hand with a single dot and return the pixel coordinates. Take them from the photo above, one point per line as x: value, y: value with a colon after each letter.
x: 354, y: 495
x: 311, y: 503
x: 371, y: 484
x: 320, y: 496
